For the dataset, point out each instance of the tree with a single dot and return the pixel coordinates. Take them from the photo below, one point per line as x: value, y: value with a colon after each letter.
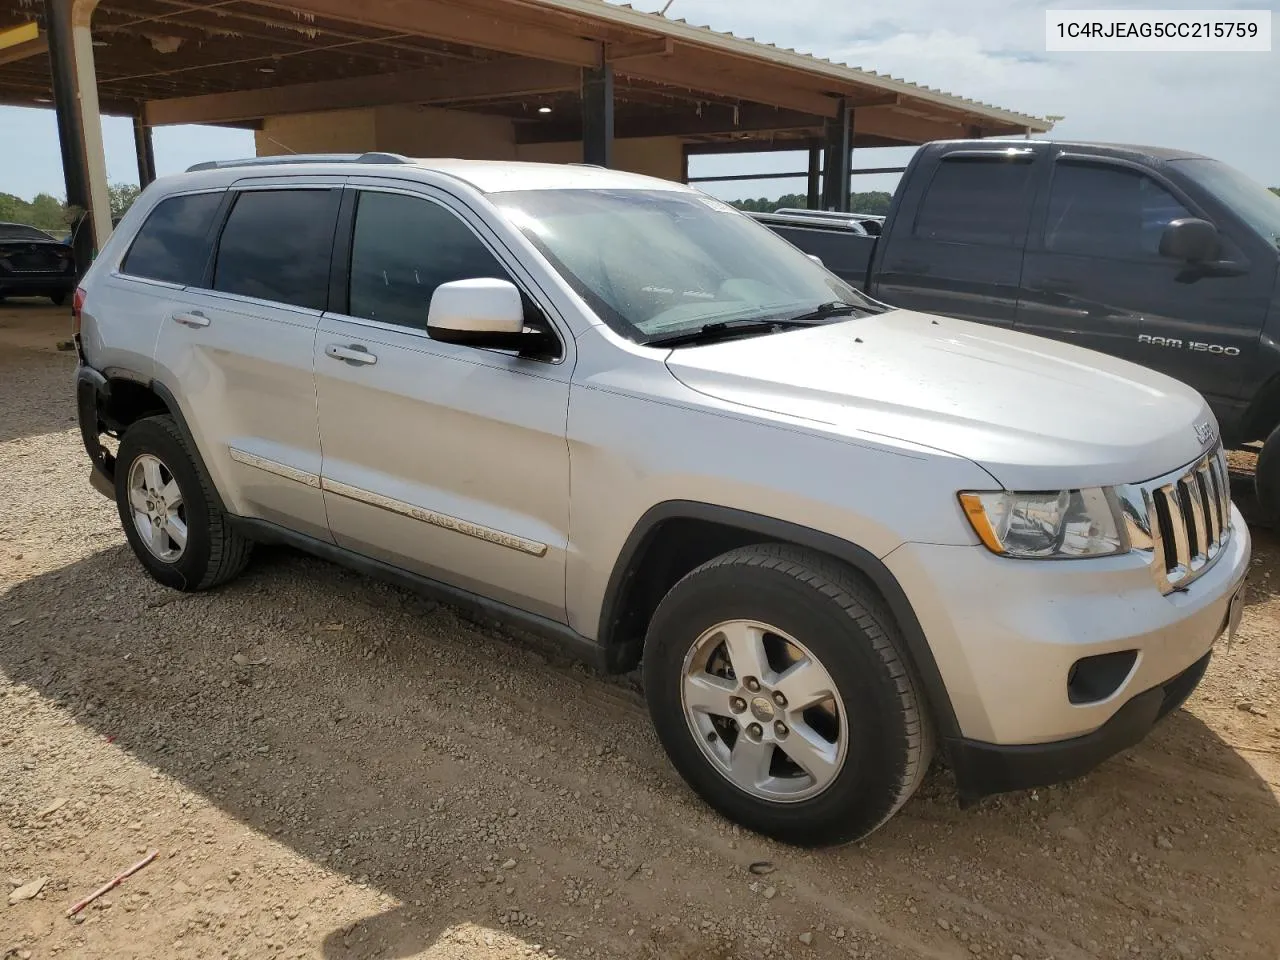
x: 45, y: 212
x: 1275, y: 190
x: 122, y: 197
x: 875, y: 202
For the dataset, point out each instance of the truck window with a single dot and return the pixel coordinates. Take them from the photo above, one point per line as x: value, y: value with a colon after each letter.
x: 1101, y: 210
x: 977, y: 200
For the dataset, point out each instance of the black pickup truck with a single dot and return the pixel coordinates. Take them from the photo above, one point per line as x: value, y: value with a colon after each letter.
x: 1161, y: 257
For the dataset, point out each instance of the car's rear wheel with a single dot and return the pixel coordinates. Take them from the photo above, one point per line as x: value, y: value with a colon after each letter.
x: 777, y: 685
x: 169, y: 514
x: 58, y: 298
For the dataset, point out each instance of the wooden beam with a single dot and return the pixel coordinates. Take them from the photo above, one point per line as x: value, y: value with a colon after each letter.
x: 781, y: 146
x: 474, y: 81
x: 706, y: 74
x: 12, y: 98
x: 875, y: 100
x: 894, y: 125
x: 451, y: 23
x: 748, y: 146
x: 715, y: 119
x: 657, y: 47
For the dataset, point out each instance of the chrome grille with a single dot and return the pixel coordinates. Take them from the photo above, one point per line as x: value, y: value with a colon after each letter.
x: 1185, y: 522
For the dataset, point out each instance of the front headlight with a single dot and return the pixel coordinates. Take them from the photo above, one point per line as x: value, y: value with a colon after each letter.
x: 1046, y: 525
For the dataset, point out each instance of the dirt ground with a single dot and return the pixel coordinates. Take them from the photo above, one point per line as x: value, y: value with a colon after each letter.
x: 330, y: 767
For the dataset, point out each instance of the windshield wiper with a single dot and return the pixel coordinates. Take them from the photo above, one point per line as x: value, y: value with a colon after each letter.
x: 750, y: 326
x: 826, y: 311
x: 728, y: 329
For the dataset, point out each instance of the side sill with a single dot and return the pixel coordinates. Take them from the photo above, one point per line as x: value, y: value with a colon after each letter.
x: 574, y: 643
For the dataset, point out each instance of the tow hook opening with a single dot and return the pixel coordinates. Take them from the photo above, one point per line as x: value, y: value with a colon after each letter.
x: 1093, y: 679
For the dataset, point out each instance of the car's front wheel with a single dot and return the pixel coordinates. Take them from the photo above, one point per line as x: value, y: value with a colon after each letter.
x: 169, y: 513
x: 58, y: 298
x: 777, y: 685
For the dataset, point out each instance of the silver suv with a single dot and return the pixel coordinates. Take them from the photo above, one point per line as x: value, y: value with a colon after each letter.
x: 841, y: 539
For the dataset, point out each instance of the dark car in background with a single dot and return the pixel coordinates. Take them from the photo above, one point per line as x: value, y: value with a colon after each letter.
x: 34, y: 264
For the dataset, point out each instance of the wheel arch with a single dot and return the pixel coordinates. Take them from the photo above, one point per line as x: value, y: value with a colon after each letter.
x: 1262, y: 415
x: 676, y: 536
x: 116, y: 398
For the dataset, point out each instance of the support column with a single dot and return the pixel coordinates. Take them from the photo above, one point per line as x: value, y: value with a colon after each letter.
x: 91, y: 119
x: 597, y: 115
x: 75, y: 168
x: 146, y: 153
x: 814, y: 193
x: 838, y: 156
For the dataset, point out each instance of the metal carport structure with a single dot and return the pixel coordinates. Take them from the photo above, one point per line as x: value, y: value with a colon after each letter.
x: 566, y: 80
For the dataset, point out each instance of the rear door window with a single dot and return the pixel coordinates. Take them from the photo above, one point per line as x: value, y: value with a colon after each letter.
x: 276, y: 246
x: 977, y: 200
x: 173, y: 244
x: 1101, y: 210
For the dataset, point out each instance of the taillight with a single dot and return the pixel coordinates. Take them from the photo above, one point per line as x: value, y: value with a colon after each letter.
x: 77, y: 305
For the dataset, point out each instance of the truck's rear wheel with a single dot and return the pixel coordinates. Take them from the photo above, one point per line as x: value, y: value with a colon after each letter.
x: 1266, y: 477
x: 776, y: 684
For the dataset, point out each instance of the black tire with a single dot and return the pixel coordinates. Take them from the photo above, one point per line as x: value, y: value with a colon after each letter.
x: 214, y: 551
x: 58, y: 298
x: 844, y: 624
x: 1266, y: 477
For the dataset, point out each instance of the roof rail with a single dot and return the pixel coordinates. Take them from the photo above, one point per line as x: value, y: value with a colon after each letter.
x: 812, y: 219
x: 370, y: 157
x: 828, y: 214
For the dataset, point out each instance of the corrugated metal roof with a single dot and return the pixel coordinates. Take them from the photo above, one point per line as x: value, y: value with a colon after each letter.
x: 626, y: 15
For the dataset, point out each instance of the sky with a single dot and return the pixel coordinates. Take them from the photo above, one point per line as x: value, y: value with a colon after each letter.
x: 1225, y: 105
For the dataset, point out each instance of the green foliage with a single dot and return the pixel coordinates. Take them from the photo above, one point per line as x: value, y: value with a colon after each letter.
x: 50, y: 214
x: 875, y: 202
x: 1275, y: 190
x: 44, y: 212
x: 768, y: 206
x: 122, y: 197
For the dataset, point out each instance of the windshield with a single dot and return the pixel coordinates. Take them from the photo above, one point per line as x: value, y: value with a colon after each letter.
x: 16, y: 231
x: 654, y: 263
x: 1251, y: 202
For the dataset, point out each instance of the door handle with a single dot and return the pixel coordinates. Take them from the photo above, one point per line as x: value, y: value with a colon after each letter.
x: 353, y: 353
x: 193, y: 319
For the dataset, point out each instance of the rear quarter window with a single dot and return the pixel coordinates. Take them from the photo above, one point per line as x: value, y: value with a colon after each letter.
x: 173, y: 244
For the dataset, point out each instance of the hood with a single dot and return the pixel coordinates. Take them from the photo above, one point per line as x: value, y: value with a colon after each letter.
x: 1035, y: 413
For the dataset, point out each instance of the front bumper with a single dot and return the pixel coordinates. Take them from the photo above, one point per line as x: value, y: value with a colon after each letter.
x: 1006, y: 634
x: 982, y: 769
x: 37, y: 284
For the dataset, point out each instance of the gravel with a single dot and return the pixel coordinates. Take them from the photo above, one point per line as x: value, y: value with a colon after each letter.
x: 333, y: 768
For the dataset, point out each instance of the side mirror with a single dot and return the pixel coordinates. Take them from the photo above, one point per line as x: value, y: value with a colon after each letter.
x: 815, y: 258
x: 1190, y: 239
x: 478, y: 313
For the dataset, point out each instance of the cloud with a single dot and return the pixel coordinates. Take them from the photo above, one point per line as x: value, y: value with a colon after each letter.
x: 1223, y: 105
x: 1220, y: 104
